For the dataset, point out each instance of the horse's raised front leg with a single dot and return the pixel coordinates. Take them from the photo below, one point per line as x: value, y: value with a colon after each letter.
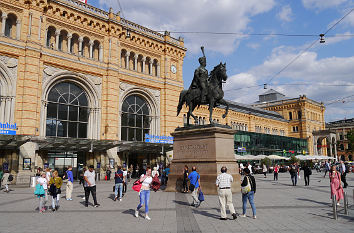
x: 191, y: 109
x: 224, y: 102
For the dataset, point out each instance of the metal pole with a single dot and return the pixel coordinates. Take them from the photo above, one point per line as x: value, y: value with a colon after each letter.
x: 334, y: 204
x: 346, y: 203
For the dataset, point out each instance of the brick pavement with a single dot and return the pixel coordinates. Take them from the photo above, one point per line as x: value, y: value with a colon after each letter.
x: 280, y: 207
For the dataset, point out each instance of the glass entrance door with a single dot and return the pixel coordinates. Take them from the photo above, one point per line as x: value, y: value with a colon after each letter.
x: 61, y: 160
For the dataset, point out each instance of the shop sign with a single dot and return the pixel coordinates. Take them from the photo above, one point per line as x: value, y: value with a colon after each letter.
x: 158, y: 139
x: 8, y: 129
x: 241, y: 149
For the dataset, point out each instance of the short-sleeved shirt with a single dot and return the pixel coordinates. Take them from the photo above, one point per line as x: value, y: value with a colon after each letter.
x: 90, y: 177
x: 167, y: 171
x: 193, y: 177
x: 146, y: 183
x: 118, y: 177
x: 224, y: 180
x: 43, y: 181
x: 70, y: 175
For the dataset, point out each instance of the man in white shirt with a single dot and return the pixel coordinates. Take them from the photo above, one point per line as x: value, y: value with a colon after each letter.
x: 250, y: 168
x: 90, y: 186
x: 223, y: 182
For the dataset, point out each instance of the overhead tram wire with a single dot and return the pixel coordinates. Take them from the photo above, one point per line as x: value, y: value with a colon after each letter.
x: 309, y: 47
x: 120, y: 8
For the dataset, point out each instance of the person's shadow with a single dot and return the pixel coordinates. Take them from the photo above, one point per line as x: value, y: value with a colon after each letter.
x: 129, y: 212
x: 205, y: 213
x: 181, y: 203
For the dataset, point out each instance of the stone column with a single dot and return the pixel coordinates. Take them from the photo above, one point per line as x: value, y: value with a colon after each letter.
x: 40, y: 27
x: 18, y: 29
x: 27, y: 150
x: 57, y: 34
x: 69, y: 42
x: 150, y: 65
x: 80, y: 45
x: 91, y: 48
x: 3, y: 23
x: 158, y: 69
x: 100, y: 56
x: 135, y: 62
x: 127, y: 60
x: 143, y: 61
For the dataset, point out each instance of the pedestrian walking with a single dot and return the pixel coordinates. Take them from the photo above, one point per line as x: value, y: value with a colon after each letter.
x: 250, y: 182
x: 42, y: 196
x: 276, y: 172
x: 90, y: 186
x: 125, y: 180
x: 336, y: 185
x: 343, y: 173
x: 108, y: 174
x: 249, y: 166
x: 194, y: 186
x: 1, y: 175
x: 223, y: 182
x: 55, y: 190
x: 167, y: 172
x: 118, y: 180
x: 327, y: 168
x: 294, y: 170
x: 48, y: 174
x: 265, y: 170
x: 155, y: 172
x: 69, y: 184
x: 307, y: 173
x: 185, y: 179
x: 144, y: 195
x: 5, y: 181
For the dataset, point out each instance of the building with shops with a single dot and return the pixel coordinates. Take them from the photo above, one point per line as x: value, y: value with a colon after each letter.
x: 83, y: 86
x: 340, y: 129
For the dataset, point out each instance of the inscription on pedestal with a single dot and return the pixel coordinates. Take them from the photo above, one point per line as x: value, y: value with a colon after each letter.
x: 192, y: 150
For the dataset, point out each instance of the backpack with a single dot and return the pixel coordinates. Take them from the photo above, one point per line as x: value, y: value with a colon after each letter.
x: 11, y: 178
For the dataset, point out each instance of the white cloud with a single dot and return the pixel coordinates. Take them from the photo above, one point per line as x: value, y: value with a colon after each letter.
x: 322, y: 4
x: 327, y: 79
x: 196, y: 15
x: 253, y: 45
x: 285, y: 14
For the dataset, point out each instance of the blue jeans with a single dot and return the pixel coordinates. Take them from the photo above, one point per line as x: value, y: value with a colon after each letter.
x: 250, y: 197
x: 120, y: 187
x: 294, y: 179
x: 144, y: 198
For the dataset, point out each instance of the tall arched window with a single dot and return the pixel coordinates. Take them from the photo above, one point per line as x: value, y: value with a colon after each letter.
x: 135, y: 119
x: 67, y: 111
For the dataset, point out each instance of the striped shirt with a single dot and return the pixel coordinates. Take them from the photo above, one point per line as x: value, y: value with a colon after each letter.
x: 224, y: 180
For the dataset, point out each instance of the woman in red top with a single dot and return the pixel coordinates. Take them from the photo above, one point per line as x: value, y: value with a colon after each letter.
x: 336, y: 186
x: 276, y: 171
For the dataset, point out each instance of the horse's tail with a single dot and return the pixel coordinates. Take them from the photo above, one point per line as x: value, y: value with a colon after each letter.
x: 181, y: 101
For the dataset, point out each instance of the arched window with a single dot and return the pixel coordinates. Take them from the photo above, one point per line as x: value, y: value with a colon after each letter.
x: 10, y: 26
x: 136, y: 118
x: 50, y: 40
x: 67, y: 111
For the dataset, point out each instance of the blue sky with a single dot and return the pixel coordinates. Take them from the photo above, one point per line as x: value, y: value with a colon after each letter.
x: 326, y: 69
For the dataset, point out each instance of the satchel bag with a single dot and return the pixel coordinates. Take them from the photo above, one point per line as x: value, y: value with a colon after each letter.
x: 246, y: 189
x: 137, y: 185
x: 192, y: 186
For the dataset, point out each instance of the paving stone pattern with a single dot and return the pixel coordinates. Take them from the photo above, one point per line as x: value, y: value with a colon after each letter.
x: 280, y: 208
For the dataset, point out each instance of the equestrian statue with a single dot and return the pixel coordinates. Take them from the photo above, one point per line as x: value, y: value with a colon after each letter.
x: 205, y: 89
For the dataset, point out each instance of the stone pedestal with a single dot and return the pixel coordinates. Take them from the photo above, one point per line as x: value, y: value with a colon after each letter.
x: 207, y: 147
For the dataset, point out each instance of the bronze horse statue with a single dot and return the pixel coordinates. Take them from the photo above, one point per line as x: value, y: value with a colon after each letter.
x: 192, y: 97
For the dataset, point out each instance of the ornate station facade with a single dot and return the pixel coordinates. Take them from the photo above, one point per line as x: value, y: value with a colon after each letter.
x: 82, y: 86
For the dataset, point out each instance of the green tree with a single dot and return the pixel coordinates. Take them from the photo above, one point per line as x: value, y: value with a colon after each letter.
x: 293, y: 159
x: 350, y: 137
x: 266, y: 161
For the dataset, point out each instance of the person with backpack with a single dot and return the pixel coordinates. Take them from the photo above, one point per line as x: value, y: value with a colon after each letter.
x: 248, y: 189
x: 144, y: 195
x: 118, y: 180
x: 194, y: 186
x: 55, y: 190
x: 6, y: 178
x: 307, y: 173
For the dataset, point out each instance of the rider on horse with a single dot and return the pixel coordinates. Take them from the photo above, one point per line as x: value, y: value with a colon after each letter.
x: 200, y: 79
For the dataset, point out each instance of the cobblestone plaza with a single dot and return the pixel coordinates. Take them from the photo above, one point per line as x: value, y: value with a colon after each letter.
x: 280, y: 208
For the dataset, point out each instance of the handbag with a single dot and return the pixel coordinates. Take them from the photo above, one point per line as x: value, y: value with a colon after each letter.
x: 192, y: 186
x: 39, y: 191
x: 137, y: 185
x: 246, y: 189
x: 201, y: 196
